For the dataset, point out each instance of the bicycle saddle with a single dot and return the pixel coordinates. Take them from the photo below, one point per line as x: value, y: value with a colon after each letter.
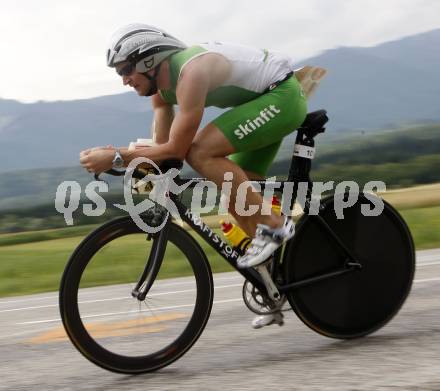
x: 315, y: 120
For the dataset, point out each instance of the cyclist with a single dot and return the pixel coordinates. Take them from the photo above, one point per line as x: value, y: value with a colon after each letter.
x: 266, y: 103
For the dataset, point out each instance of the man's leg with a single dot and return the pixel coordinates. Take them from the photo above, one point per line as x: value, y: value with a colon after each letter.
x: 208, y: 156
x: 245, y: 130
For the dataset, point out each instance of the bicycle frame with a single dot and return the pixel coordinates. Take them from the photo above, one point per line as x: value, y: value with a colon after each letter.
x: 231, y: 255
x: 299, y: 172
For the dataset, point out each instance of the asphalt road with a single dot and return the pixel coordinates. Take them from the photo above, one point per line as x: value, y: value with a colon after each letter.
x: 230, y: 355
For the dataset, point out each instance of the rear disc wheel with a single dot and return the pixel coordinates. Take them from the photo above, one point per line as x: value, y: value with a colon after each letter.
x: 360, y: 302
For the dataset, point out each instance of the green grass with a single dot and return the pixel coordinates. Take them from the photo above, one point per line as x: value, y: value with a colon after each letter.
x: 43, y: 235
x: 424, y: 224
x: 34, y: 267
x: 37, y: 266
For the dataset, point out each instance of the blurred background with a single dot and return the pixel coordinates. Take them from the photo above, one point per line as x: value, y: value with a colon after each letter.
x: 57, y: 97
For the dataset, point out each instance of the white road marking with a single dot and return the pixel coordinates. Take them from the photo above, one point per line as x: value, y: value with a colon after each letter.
x: 129, y: 312
x: 427, y: 258
x: 427, y: 280
x: 114, y: 299
x: 427, y: 264
x: 29, y: 299
x: 103, y: 290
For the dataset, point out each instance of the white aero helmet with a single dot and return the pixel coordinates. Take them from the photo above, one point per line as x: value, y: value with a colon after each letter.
x: 143, y: 45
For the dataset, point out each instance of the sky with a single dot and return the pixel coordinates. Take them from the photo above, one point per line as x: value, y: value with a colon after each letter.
x: 55, y: 49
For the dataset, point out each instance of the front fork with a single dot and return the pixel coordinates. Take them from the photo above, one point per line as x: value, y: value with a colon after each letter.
x: 153, y: 263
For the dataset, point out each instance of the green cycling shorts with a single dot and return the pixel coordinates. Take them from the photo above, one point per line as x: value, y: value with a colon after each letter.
x: 256, y: 128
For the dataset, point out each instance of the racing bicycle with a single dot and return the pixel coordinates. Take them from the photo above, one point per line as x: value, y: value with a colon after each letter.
x: 134, y: 302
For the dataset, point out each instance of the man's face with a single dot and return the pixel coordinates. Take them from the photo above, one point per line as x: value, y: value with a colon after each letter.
x: 133, y: 78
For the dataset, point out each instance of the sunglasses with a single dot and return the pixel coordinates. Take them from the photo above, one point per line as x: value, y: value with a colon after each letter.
x: 126, y: 70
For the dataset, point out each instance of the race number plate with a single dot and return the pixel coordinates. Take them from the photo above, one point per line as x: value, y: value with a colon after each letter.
x: 304, y: 151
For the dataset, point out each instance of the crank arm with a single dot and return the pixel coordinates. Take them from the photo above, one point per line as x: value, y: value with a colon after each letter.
x: 271, y: 288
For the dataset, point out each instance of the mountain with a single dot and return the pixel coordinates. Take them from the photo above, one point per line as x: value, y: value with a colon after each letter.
x: 392, y: 84
x: 50, y: 134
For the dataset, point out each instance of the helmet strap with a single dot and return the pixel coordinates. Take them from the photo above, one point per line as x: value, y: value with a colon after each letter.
x: 153, y: 80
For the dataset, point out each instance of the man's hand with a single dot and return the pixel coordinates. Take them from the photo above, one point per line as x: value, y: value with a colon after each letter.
x: 98, y: 159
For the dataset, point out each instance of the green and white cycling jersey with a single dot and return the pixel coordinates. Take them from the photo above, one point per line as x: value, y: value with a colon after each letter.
x: 252, y: 72
x: 260, y: 117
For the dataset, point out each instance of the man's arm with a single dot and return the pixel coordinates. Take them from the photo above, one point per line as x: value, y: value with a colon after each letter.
x: 163, y: 118
x: 191, y: 94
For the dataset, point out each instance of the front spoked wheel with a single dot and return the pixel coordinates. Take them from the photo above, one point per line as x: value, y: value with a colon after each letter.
x: 117, y: 331
x: 359, y: 302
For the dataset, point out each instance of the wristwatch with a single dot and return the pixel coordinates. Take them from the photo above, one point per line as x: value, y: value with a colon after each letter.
x: 117, y: 161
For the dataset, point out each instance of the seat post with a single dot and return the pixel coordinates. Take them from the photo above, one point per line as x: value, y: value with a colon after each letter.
x: 303, y: 154
x: 300, y: 167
